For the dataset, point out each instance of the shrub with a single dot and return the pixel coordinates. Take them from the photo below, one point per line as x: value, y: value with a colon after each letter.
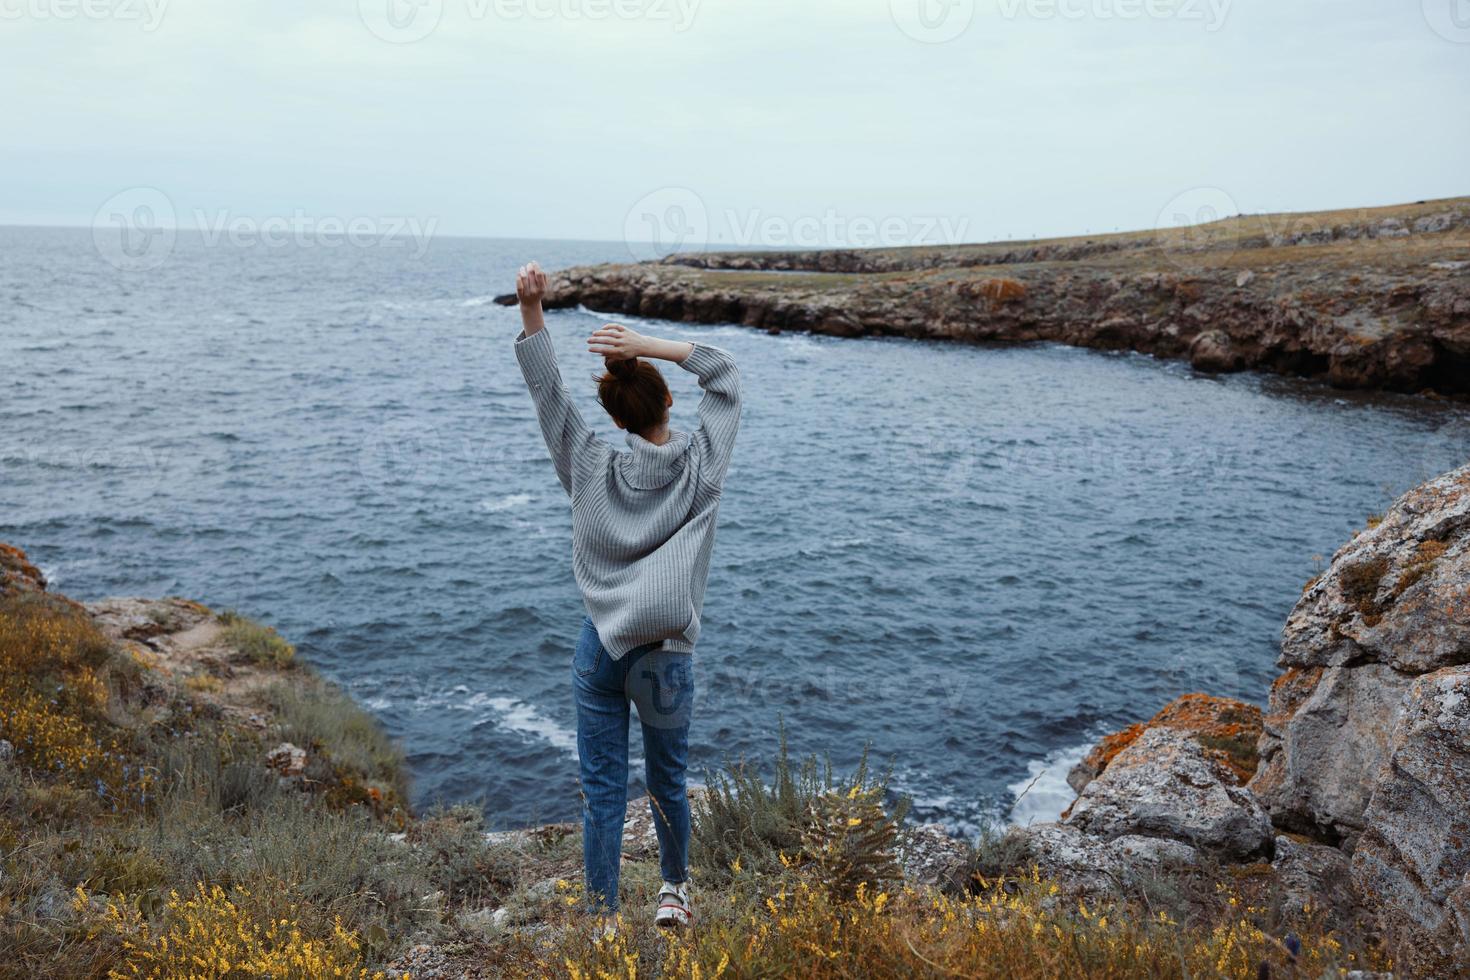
x: 462, y: 864
x: 215, y: 933
x: 55, y: 668
x: 1026, y: 930
x: 259, y: 644
x: 362, y: 764
x: 804, y: 816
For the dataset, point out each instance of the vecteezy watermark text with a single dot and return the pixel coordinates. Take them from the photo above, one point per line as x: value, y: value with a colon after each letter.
x: 1211, y: 13
x: 306, y: 231
x: 148, y: 14
x: 407, y: 21
x: 673, y: 219
x: 137, y: 230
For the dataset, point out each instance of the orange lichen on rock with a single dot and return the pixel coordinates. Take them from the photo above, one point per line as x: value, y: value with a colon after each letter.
x: 998, y: 291
x: 17, y: 574
x: 1226, y: 728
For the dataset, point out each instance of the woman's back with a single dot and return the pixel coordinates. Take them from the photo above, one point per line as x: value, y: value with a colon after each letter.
x: 643, y: 521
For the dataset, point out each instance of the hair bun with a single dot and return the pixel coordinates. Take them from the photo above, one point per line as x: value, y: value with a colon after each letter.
x: 623, y: 368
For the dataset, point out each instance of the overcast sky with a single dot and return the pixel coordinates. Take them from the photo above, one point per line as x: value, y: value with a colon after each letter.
x: 741, y: 121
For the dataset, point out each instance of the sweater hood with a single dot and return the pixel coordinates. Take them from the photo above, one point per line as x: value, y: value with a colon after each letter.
x: 649, y: 467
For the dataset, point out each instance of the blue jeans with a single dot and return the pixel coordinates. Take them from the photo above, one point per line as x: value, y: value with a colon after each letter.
x: 661, y: 684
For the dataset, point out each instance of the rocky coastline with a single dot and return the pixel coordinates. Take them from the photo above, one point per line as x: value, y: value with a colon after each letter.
x: 188, y: 774
x: 1371, y: 299
x: 1351, y: 791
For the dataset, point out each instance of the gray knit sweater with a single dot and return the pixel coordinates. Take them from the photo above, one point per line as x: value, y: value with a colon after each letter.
x: 643, y: 521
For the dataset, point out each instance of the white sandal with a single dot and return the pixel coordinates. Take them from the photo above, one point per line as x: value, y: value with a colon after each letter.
x: 674, y: 911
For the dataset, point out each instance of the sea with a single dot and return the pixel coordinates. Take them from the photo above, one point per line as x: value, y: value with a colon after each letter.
x: 966, y: 562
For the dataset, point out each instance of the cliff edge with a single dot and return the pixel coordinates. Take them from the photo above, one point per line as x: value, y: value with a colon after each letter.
x: 1376, y: 298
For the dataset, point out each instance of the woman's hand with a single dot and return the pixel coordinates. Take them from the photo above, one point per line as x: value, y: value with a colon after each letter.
x: 530, y: 284
x: 615, y: 342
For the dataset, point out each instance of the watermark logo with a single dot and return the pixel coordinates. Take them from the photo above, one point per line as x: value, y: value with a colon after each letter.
x: 670, y: 219
x: 134, y: 230
x: 401, y: 21
x: 1184, y: 225
x: 1210, y: 13
x: 679, y: 13
x: 932, y: 21
x: 404, y: 459
x: 139, y: 467
x: 676, y: 219
x: 147, y: 14
x: 1450, y: 19
x: 407, y: 21
x: 302, y: 230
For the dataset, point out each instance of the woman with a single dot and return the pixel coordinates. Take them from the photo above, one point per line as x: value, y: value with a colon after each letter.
x: 643, y: 527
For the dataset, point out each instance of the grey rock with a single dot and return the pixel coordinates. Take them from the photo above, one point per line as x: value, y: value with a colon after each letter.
x: 929, y: 856
x: 1395, y: 594
x: 1213, y: 351
x: 1163, y: 785
x: 1414, y: 856
x: 1313, y: 875
x: 1326, y: 741
x: 1392, y: 605
x: 287, y: 759
x: 484, y: 922
x: 1088, y: 865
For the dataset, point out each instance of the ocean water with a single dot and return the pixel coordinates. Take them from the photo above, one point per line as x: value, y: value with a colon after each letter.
x: 969, y: 560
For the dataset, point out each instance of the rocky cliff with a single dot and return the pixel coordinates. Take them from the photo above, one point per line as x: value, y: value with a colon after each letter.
x: 1358, y: 793
x: 176, y: 789
x: 1375, y: 298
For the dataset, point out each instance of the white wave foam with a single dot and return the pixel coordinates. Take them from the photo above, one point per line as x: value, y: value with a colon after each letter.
x: 50, y: 574
x: 835, y: 544
x: 524, y: 719
x: 1044, y: 793
x: 377, y: 704
x: 474, y: 301
x: 492, y: 505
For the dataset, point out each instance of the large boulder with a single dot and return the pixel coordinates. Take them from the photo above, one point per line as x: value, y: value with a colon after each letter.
x: 1225, y: 728
x: 1165, y: 785
x: 1392, y: 605
x: 1326, y: 740
x: 1084, y: 864
x: 1413, y: 859
x: 1396, y: 594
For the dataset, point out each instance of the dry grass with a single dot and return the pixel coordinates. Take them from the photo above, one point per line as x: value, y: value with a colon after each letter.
x: 221, y: 862
x: 124, y: 785
x: 1013, y: 930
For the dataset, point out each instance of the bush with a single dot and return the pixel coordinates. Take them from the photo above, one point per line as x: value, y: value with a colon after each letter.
x: 56, y: 673
x: 805, y: 817
x: 362, y: 764
x: 1020, y: 932
x: 461, y: 863
x: 259, y: 644
x: 214, y: 933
